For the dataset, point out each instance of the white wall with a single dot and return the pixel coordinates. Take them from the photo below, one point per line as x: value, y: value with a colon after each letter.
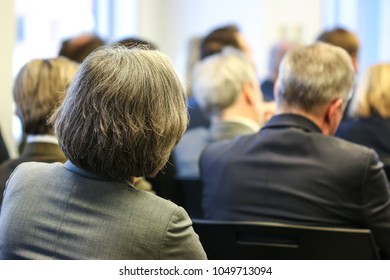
x: 7, y: 35
x: 298, y: 20
x: 172, y: 23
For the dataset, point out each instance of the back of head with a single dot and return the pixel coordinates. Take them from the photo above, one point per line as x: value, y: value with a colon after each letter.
x: 219, y: 78
x: 219, y: 38
x: 79, y: 47
x: 373, y: 93
x: 123, y: 114
x: 342, y: 38
x: 311, y: 76
x: 38, y: 88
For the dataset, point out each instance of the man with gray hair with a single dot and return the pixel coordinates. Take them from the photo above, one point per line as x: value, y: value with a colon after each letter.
x: 294, y: 170
x: 226, y: 88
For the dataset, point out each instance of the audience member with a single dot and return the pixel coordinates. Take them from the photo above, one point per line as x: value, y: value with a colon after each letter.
x: 121, y: 117
x: 76, y: 49
x: 226, y: 88
x: 369, y: 124
x: 213, y: 43
x: 294, y: 170
x: 3, y: 150
x: 39, y: 87
x: 348, y: 41
x: 344, y: 39
x: 275, y: 57
x: 79, y: 47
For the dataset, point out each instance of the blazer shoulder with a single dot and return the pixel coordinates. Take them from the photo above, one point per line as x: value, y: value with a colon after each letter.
x: 230, y: 145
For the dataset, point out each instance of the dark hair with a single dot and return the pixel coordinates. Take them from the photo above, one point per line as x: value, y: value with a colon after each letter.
x: 79, y: 47
x: 136, y: 42
x: 219, y: 38
x: 342, y: 38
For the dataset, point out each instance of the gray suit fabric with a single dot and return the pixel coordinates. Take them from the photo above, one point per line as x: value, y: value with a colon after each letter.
x: 56, y: 211
x: 193, y: 142
x: 290, y: 172
x: 37, y: 151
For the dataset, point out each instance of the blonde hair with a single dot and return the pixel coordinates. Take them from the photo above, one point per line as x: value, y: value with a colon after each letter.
x: 373, y: 93
x: 38, y: 88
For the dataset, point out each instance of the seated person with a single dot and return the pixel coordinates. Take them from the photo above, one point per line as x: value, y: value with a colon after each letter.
x: 3, y: 150
x: 294, y: 171
x: 369, y: 122
x: 121, y: 117
x: 79, y: 47
x: 348, y: 41
x: 38, y: 88
x: 226, y: 87
x: 275, y: 57
x: 214, y: 42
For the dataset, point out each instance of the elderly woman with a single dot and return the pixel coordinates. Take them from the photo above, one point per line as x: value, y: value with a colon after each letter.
x: 39, y: 86
x: 370, y: 112
x: 121, y: 117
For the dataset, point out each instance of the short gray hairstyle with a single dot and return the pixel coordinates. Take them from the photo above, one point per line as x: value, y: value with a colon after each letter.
x: 123, y: 114
x: 39, y: 88
x: 219, y: 78
x: 311, y: 76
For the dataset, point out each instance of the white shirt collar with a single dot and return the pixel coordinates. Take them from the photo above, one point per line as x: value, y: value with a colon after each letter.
x: 42, y: 139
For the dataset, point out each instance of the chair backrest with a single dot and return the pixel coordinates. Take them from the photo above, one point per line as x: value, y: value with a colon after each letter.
x: 191, y: 194
x: 273, y: 241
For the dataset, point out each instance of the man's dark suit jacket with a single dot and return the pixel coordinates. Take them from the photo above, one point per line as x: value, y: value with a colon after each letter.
x: 372, y: 132
x: 290, y: 172
x: 36, y: 151
x: 3, y: 150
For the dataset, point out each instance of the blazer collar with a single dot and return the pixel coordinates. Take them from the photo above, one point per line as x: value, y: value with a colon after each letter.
x: 85, y: 173
x: 225, y: 130
x: 292, y: 120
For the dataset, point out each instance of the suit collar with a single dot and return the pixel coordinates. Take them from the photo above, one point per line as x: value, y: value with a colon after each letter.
x: 224, y: 130
x: 292, y: 120
x: 85, y: 173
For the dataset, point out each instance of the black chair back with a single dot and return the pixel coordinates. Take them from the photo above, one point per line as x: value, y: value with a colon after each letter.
x: 191, y: 194
x: 273, y: 241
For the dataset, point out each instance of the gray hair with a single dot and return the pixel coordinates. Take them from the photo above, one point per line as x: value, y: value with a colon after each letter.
x: 123, y: 114
x: 311, y: 76
x: 38, y: 89
x: 218, y: 79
